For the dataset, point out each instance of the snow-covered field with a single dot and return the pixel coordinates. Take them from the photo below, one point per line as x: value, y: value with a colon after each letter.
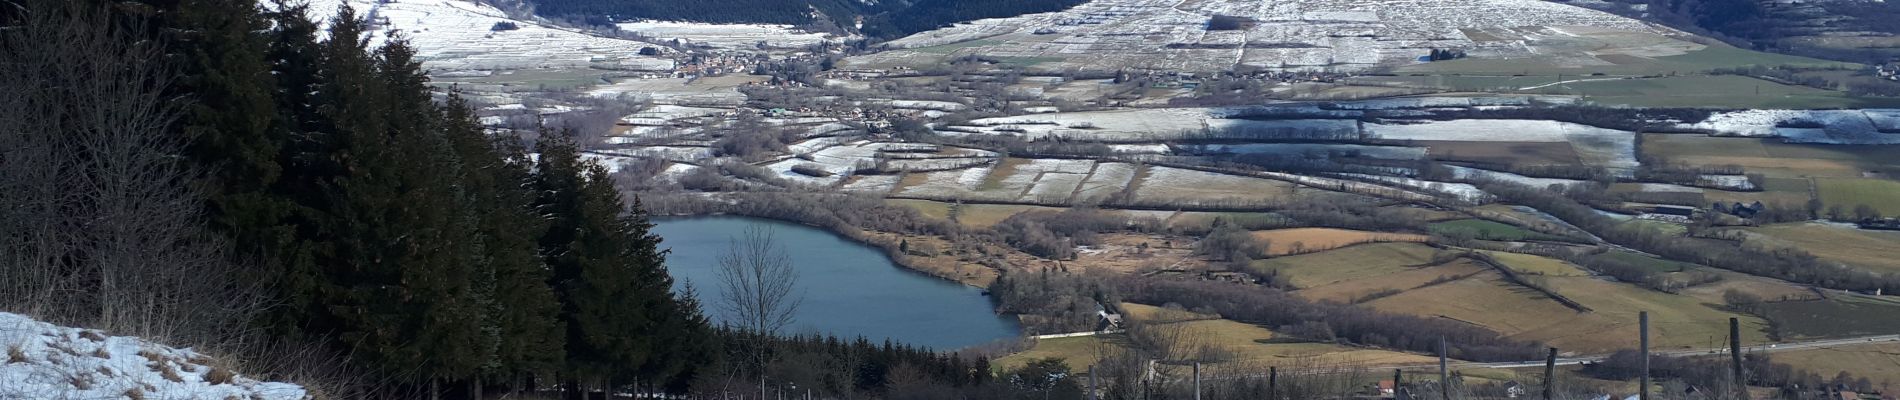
x: 1473, y: 130
x: 1465, y: 173
x: 1837, y: 126
x: 1147, y: 124
x: 1109, y: 178
x: 459, y: 35
x: 46, y: 361
x: 1300, y: 149
x: 1462, y: 191
x: 1173, y: 34
x: 1608, y: 148
x: 726, y: 36
x: 720, y: 91
x: 872, y: 183
x: 1730, y: 182
x: 950, y: 183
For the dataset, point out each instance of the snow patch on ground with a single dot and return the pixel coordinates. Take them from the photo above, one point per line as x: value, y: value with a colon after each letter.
x: 1797, y: 126
x: 1466, y: 173
x: 69, y: 363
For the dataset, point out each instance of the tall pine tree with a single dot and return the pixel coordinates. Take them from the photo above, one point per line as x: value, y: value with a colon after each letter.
x: 609, y: 273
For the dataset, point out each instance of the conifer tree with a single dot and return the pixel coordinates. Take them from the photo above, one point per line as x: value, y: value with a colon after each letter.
x: 527, y: 338
x: 609, y: 273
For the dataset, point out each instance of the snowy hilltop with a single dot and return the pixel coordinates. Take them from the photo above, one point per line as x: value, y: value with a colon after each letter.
x: 46, y: 361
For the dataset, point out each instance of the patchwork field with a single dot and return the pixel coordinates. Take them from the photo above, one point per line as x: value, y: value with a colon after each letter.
x: 1301, y: 240
x: 1248, y: 344
x: 1536, y: 265
x: 1774, y: 159
x: 1881, y: 194
x: 1508, y: 153
x: 1484, y: 300
x: 1839, y: 315
x: 1354, y: 262
x: 1675, y: 320
x: 1489, y: 230
x: 1409, y: 278
x: 1880, y: 362
x: 975, y: 215
x: 1487, y: 300
x: 1863, y: 248
x: 1167, y: 184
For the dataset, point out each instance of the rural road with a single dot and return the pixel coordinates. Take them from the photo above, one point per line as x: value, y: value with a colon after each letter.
x: 1766, y: 348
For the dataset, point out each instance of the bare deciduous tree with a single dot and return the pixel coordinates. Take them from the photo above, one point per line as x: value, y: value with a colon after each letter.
x: 759, y: 286
x: 101, y: 225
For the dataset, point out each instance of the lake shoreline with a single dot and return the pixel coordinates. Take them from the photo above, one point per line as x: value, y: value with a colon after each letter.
x: 849, y: 291
x: 890, y: 249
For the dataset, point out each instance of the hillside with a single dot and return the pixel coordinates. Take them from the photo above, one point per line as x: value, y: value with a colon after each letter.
x: 875, y: 19
x: 1215, y: 35
x: 46, y: 361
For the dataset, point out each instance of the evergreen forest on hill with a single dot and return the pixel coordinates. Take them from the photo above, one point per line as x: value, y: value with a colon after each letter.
x: 243, y: 180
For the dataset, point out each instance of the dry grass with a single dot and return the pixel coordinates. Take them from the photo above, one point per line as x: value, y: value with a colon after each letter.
x: 1130, y: 253
x: 101, y: 352
x: 1303, y: 240
x: 1879, y: 362
x: 1863, y: 248
x: 1767, y: 288
x: 1536, y: 265
x: 1359, y: 289
x: 1881, y: 194
x: 15, y: 355
x: 1356, y: 262
x: 168, y: 371
x: 1165, y: 184
x: 1250, y: 345
x: 1676, y: 321
x: 1484, y: 300
x: 220, y: 375
x: 1775, y: 160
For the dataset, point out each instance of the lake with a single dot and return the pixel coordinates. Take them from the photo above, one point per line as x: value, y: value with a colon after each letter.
x: 850, y: 289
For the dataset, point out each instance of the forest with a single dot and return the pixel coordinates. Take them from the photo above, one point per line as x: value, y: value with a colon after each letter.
x: 279, y: 194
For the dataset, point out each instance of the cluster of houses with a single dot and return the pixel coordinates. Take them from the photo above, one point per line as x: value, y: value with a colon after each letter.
x: 1889, y: 71
x: 718, y: 64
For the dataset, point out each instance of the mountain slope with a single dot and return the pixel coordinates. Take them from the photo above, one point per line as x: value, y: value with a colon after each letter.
x: 886, y: 19
x: 1306, y: 34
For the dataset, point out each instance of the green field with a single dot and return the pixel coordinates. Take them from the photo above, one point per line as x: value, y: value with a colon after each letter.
x: 1840, y: 315
x: 1882, y: 194
x: 1489, y: 230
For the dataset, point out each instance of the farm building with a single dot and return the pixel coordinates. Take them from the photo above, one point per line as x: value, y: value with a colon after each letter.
x: 1673, y: 210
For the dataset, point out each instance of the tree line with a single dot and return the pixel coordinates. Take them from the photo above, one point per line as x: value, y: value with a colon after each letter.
x: 1782, y: 263
x: 264, y: 185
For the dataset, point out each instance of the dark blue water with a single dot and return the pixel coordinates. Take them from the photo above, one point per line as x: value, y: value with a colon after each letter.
x: 849, y: 289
